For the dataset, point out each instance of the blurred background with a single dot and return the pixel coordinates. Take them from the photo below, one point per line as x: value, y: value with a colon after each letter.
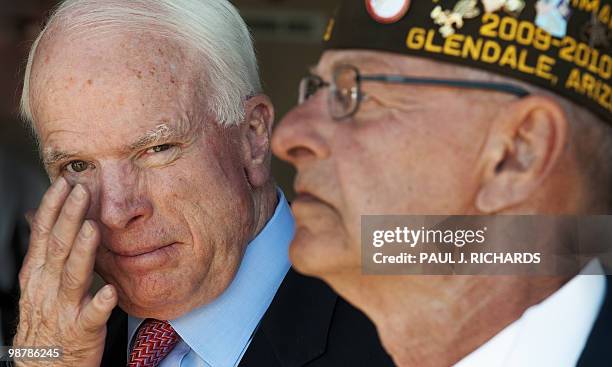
x: 288, y: 40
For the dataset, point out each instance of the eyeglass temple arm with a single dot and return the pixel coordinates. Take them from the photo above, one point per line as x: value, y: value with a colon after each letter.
x: 498, y: 87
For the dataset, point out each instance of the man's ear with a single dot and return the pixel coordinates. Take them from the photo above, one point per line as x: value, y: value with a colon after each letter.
x: 256, y: 132
x: 524, y: 144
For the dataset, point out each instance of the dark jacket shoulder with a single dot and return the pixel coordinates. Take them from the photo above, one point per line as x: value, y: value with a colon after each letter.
x: 307, y: 324
x: 597, y: 351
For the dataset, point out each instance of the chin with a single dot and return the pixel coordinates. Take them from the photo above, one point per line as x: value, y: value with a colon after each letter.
x: 320, y: 256
x: 162, y: 307
x: 156, y: 295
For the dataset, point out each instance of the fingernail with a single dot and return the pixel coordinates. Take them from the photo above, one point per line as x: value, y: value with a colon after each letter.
x: 88, y: 229
x: 108, y: 293
x: 79, y: 192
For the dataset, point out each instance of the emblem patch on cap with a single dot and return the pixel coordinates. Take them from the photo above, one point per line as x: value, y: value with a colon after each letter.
x: 511, y: 6
x: 596, y: 34
x: 449, y: 19
x: 387, y: 11
x: 552, y: 16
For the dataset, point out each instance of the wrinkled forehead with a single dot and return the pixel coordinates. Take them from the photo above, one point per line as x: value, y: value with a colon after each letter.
x: 372, y: 61
x: 137, y: 71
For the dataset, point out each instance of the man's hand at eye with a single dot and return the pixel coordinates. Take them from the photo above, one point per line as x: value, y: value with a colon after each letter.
x: 55, y: 308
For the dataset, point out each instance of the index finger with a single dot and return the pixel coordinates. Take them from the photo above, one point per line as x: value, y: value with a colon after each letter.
x: 43, y: 222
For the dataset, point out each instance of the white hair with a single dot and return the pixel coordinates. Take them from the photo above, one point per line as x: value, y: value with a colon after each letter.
x: 213, y: 28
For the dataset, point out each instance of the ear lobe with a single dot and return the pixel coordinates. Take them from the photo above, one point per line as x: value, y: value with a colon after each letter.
x: 524, y: 146
x: 256, y: 135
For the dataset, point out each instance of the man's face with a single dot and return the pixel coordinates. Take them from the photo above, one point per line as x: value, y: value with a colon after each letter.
x: 409, y: 150
x: 167, y: 184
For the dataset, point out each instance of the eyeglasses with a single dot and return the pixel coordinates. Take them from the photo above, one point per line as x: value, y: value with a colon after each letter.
x: 345, y: 93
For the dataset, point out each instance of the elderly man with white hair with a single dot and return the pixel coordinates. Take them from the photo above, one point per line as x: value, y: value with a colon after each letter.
x: 465, y: 110
x: 156, y: 135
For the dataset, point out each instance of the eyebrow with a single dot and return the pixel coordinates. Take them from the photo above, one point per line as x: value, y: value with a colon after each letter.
x: 161, y: 132
x: 155, y: 135
x: 51, y: 156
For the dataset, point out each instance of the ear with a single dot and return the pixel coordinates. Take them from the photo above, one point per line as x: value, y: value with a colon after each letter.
x: 525, y: 142
x: 255, y: 134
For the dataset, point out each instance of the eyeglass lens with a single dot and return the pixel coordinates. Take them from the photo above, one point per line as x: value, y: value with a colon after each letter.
x: 344, y: 95
x: 345, y: 92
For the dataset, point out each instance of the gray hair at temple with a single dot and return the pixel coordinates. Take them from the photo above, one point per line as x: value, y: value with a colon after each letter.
x: 213, y: 28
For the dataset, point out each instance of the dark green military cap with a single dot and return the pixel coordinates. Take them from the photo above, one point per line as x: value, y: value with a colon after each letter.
x: 560, y: 45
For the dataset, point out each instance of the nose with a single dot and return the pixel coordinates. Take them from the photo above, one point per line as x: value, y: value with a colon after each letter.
x: 299, y: 136
x: 123, y: 200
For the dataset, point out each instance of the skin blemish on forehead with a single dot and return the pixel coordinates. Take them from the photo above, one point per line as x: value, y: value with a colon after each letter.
x: 108, y: 78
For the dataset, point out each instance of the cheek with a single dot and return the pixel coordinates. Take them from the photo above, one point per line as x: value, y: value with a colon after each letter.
x: 212, y: 197
x: 402, y: 171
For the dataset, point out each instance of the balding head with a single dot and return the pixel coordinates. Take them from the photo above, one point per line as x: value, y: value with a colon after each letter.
x: 211, y: 31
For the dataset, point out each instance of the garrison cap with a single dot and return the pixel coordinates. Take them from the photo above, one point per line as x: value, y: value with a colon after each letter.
x: 560, y: 45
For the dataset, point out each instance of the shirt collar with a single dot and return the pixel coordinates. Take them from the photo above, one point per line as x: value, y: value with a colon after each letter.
x: 220, y: 331
x: 551, y: 333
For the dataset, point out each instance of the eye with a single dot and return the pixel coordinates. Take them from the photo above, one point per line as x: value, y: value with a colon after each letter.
x: 77, y: 166
x: 159, y: 148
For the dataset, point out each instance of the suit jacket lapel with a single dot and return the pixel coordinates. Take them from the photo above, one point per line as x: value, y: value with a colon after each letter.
x: 296, y: 325
x: 598, y: 351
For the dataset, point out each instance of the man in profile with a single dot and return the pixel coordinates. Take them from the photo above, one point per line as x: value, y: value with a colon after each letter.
x: 445, y: 108
x: 155, y: 132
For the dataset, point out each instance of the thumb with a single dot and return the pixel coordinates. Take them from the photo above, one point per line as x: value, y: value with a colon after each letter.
x: 96, y: 313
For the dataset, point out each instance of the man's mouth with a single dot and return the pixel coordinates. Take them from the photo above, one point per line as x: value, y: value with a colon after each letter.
x: 306, y: 197
x: 146, y: 259
x: 139, y: 252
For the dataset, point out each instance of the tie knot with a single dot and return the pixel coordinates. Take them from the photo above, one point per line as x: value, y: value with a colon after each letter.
x: 154, y: 340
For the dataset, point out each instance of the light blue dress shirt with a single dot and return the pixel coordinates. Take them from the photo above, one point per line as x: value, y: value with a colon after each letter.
x: 218, y: 334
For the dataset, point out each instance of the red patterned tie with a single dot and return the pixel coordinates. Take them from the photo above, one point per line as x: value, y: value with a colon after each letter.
x: 154, y: 340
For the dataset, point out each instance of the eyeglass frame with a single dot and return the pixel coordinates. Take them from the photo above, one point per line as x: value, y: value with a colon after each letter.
x: 358, y: 95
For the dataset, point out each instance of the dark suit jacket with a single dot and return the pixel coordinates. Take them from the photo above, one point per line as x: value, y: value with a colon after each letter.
x: 307, y: 324
x: 598, y: 349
